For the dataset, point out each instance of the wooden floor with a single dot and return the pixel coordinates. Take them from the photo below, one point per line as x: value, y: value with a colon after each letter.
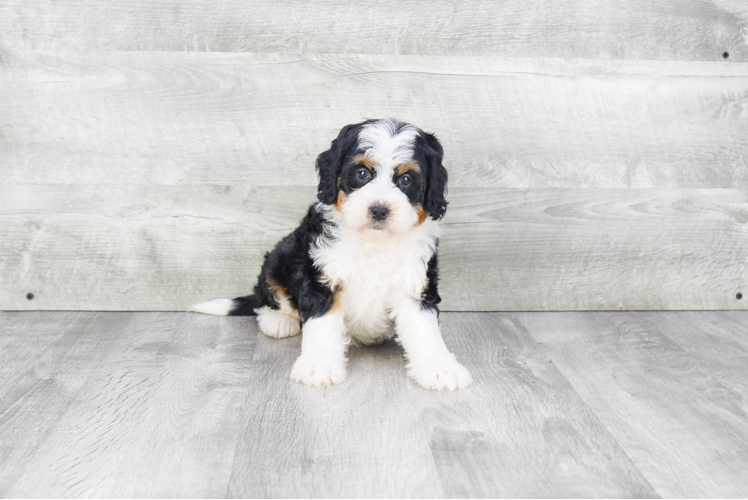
x: 602, y: 404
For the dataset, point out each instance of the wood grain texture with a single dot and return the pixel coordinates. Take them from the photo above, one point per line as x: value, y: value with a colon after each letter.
x: 413, y: 443
x: 681, y: 416
x: 138, y: 247
x: 596, y: 249
x: 361, y: 439
x: 708, y: 337
x: 46, y: 360
x: 261, y: 119
x: 638, y: 29
x: 159, y: 416
x: 181, y: 405
x: 522, y: 431
x: 135, y: 247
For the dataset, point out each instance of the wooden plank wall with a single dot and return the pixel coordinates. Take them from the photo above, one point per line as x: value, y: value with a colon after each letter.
x: 151, y: 152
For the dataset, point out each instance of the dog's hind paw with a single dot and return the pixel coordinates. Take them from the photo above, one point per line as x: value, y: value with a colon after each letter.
x: 276, y: 324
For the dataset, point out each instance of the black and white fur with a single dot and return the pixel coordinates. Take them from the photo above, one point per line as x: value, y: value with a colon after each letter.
x: 362, y: 265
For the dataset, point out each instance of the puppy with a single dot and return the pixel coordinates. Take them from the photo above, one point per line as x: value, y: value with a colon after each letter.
x: 362, y: 266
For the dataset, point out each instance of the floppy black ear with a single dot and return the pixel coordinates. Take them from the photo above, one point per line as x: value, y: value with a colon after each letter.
x: 435, y: 200
x: 327, y: 189
x: 330, y: 163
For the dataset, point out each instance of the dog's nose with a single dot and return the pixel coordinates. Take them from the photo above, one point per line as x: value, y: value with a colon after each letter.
x: 379, y: 212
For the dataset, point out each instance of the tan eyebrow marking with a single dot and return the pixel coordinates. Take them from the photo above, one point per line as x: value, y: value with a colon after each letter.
x: 366, y: 162
x: 404, y: 167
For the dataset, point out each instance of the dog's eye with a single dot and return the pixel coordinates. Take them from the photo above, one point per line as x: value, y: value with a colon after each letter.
x: 404, y: 180
x: 363, y: 174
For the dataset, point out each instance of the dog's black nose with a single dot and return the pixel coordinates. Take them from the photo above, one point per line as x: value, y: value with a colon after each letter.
x: 379, y: 212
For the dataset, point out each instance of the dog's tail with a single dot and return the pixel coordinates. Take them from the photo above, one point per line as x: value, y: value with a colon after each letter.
x: 240, y: 306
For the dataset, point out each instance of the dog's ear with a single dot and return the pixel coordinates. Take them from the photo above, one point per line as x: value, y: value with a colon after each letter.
x: 435, y: 200
x: 330, y: 163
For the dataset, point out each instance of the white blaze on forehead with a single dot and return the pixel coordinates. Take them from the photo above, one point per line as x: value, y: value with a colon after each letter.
x: 385, y: 144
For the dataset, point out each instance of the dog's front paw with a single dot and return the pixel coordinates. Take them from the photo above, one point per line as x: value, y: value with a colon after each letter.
x: 318, y: 371
x: 440, y: 374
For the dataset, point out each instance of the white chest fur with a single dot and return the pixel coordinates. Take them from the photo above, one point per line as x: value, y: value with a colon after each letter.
x: 375, y: 273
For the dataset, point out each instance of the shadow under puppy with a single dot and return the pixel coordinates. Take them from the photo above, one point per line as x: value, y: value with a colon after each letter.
x: 362, y: 265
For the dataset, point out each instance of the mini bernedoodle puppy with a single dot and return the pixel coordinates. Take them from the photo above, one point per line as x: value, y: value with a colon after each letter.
x: 362, y: 265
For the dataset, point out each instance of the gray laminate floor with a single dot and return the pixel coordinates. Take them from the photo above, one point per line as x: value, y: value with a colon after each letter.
x: 565, y: 404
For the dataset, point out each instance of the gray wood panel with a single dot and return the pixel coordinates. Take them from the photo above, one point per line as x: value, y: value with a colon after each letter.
x: 414, y: 443
x: 596, y: 249
x: 522, y: 431
x: 181, y: 405
x: 708, y: 337
x: 679, y: 418
x: 138, y: 247
x: 261, y: 119
x: 135, y: 247
x: 361, y: 439
x: 46, y: 360
x: 636, y: 29
x: 159, y: 416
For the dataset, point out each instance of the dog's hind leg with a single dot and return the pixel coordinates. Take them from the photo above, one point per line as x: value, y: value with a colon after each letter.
x: 279, y: 320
